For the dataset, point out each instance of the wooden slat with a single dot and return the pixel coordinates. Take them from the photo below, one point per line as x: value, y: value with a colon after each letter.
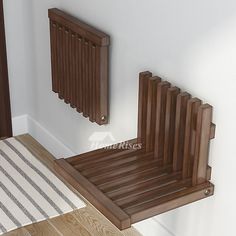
x: 169, y: 202
x: 85, y: 78
x: 149, y: 196
x: 74, y: 65
x: 142, y: 165
x: 66, y: 65
x: 99, y: 153
x: 85, y: 30
x: 133, y: 178
x: 181, y: 108
x: 54, y: 56
x: 170, y: 124
x: 160, y: 119
x: 203, y: 135
x: 91, y: 161
x: 138, y: 188
x: 144, y: 159
x: 91, y: 82
x: 79, y: 74
x: 104, y: 86
x: 94, y: 82
x: 109, y: 160
x: 60, y: 49
x: 113, y: 163
x: 142, y: 107
x: 190, y: 133
x: 97, y: 84
x: 131, y: 174
x: 95, y: 196
x: 151, y: 112
x: 70, y: 70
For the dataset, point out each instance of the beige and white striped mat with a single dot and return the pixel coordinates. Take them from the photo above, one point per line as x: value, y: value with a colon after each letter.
x: 29, y: 191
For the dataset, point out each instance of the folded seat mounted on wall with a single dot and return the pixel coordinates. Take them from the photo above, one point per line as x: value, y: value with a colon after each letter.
x: 79, y: 58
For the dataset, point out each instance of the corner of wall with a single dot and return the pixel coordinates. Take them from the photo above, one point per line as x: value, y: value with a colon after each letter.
x: 26, y: 124
x: 20, y: 125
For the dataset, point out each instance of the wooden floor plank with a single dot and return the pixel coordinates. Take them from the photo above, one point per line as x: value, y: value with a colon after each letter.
x: 43, y: 228
x: 95, y: 222
x: 68, y: 225
x: 131, y: 232
x: 18, y: 232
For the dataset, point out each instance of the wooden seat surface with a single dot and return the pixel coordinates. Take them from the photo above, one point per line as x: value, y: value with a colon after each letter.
x: 168, y: 171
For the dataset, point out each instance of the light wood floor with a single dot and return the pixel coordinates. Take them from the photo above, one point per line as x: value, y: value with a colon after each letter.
x: 83, y: 222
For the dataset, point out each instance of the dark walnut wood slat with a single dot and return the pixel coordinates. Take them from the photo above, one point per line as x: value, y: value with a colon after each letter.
x: 132, y: 178
x: 170, y: 170
x: 79, y: 61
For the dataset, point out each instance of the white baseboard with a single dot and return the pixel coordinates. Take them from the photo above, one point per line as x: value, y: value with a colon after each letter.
x: 152, y: 227
x: 26, y: 124
x: 48, y: 140
x: 20, y: 125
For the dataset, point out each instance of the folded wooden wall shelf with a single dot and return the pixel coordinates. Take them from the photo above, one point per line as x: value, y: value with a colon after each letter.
x: 79, y: 55
x: 170, y: 170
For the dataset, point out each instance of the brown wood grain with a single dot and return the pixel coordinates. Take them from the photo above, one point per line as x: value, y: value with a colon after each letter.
x: 151, y: 112
x: 80, y: 62
x: 94, y: 195
x: 5, y: 114
x: 42, y: 228
x: 190, y: 136
x: 181, y: 109
x: 142, y: 107
x: 86, y: 31
x: 68, y: 225
x: 160, y: 119
x: 203, y: 136
x: 170, y: 124
x: 170, y: 170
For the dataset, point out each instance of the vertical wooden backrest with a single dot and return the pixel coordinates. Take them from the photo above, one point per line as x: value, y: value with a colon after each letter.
x: 175, y: 127
x: 79, y: 55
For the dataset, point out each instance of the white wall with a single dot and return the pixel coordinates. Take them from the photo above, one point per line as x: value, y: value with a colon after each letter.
x: 191, y: 43
x: 20, y: 54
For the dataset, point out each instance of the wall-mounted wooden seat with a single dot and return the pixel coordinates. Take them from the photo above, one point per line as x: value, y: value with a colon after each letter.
x: 170, y: 170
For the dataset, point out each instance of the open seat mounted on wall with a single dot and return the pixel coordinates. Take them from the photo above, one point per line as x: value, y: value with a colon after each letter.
x: 169, y: 170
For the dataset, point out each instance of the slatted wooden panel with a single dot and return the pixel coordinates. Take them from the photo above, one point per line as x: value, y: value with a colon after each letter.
x: 79, y: 55
x: 170, y: 170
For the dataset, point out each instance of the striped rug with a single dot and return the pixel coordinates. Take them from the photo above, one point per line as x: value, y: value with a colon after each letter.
x: 29, y: 191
